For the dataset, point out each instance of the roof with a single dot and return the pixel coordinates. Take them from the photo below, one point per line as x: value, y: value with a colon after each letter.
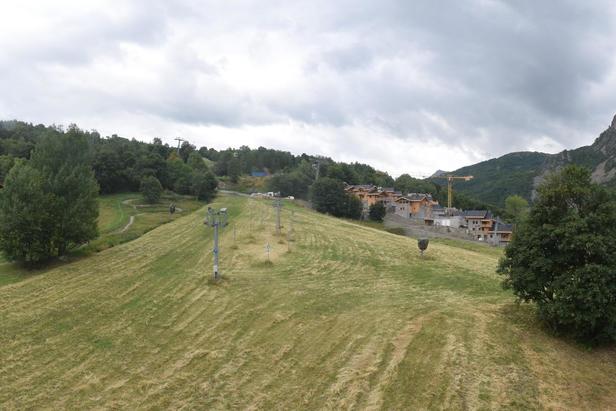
x: 477, y: 214
x: 258, y: 174
x: 418, y: 196
x: 368, y: 187
x: 501, y: 227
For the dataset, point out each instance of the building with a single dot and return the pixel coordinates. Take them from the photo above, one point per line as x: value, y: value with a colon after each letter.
x: 484, y: 227
x: 500, y: 234
x: 412, y: 205
x: 479, y: 223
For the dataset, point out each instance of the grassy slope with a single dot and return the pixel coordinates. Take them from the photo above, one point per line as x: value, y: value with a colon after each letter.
x: 351, y: 317
x: 114, y: 214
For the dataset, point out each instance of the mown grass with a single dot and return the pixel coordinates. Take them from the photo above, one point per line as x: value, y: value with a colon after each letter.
x: 352, y: 317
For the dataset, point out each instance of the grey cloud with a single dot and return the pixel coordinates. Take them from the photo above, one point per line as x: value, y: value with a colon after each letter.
x: 492, y: 74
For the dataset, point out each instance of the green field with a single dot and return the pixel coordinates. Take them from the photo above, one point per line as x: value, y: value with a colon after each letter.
x: 351, y: 317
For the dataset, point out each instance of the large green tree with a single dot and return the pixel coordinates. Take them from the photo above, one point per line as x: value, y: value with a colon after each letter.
x: 293, y: 184
x: 26, y: 219
x: 328, y: 196
x: 151, y: 189
x: 204, y: 185
x: 563, y: 256
x: 60, y: 170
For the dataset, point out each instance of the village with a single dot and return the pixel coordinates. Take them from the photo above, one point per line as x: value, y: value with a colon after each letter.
x: 421, y: 208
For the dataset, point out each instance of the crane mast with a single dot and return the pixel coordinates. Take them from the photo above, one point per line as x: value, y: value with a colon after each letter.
x: 450, y: 178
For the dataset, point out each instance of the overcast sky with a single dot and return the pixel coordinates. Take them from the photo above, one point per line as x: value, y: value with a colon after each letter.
x: 406, y: 86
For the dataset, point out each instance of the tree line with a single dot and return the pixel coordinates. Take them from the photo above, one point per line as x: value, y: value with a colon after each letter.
x: 119, y: 164
x: 51, y: 178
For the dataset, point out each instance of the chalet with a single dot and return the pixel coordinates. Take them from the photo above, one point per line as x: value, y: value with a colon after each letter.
x: 500, y: 234
x: 360, y: 191
x: 479, y: 223
x: 408, y: 206
x: 414, y: 205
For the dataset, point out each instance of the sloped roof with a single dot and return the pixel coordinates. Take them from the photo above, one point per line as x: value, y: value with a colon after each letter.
x: 499, y: 226
x: 367, y: 187
x: 418, y: 196
x: 477, y: 214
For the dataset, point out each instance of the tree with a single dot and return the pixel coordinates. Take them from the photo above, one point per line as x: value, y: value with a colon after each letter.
x: 178, y: 175
x: 195, y: 161
x: 516, y: 208
x: 25, y: 217
x: 6, y: 163
x: 342, y: 172
x: 354, y: 207
x: 377, y: 212
x: 204, y: 185
x: 407, y: 184
x: 234, y: 170
x: 328, y: 196
x: 563, y: 256
x: 151, y: 189
x: 59, y: 183
x: 290, y: 184
x: 185, y: 150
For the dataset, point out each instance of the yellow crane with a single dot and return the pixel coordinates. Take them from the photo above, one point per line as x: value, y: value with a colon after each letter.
x: 450, y: 179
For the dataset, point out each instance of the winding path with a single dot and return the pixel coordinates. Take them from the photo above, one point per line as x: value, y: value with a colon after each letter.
x: 131, y: 220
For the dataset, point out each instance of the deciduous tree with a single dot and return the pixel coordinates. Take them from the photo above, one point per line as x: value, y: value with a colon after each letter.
x: 151, y: 189
x: 60, y: 180
x: 377, y: 212
x: 563, y: 256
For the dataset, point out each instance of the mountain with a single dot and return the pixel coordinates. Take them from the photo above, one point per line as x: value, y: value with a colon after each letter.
x: 521, y: 173
x: 438, y: 173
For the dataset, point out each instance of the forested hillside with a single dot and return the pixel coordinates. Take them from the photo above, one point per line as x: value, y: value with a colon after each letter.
x: 520, y: 173
x: 496, y: 179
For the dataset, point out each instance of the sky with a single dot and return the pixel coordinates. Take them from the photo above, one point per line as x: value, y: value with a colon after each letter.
x: 405, y: 86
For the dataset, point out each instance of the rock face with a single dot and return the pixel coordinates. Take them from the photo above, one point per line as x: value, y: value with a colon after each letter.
x: 614, y: 122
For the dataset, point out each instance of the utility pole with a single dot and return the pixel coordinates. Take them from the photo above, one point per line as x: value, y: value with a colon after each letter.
x: 317, y: 166
x: 217, y: 219
x: 179, y: 142
x: 277, y: 206
x: 290, y: 231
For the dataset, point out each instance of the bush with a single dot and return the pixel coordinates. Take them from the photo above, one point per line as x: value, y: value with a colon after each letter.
x: 377, y: 212
x: 563, y: 256
x: 151, y: 189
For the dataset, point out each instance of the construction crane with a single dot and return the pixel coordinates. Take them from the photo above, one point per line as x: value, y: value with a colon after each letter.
x: 450, y: 179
